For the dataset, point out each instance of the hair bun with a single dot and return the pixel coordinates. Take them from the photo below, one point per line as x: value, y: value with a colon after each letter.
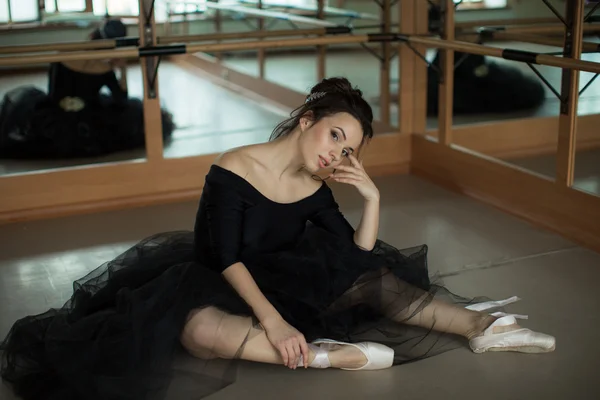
x: 339, y: 85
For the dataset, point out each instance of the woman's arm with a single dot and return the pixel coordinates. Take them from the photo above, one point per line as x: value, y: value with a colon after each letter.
x: 331, y: 219
x: 368, y: 228
x: 224, y: 208
x: 242, y: 281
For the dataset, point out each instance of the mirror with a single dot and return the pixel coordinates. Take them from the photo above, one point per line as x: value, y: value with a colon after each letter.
x: 587, y: 153
x: 512, y: 97
x: 70, y: 113
x: 206, y: 117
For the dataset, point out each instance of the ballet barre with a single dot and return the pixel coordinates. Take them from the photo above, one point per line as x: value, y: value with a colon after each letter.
x: 165, y: 50
x: 71, y: 46
x: 431, y: 42
x: 134, y: 41
x: 505, y: 53
x: 492, y: 34
x: 329, y: 30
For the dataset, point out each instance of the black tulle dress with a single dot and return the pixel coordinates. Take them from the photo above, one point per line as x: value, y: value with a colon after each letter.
x: 74, y: 119
x: 119, y: 334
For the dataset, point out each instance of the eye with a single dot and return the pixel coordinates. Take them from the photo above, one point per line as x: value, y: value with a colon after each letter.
x: 335, y: 136
x: 345, y: 153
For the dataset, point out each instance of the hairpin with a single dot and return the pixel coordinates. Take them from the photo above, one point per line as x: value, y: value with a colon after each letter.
x: 315, y: 96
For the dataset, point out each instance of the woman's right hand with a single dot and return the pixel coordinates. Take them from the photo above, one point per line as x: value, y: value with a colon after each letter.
x: 288, y: 341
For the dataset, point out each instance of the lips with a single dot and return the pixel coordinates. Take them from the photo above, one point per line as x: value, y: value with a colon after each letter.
x: 322, y: 162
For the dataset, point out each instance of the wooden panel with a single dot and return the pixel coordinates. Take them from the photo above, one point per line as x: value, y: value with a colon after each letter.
x: 446, y: 86
x: 565, y: 157
x: 96, y: 188
x: 572, y: 213
x: 420, y: 100
x: 406, y: 70
x: 522, y: 137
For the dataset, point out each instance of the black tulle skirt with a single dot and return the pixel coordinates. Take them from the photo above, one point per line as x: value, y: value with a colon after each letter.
x: 119, y: 334
x: 32, y: 126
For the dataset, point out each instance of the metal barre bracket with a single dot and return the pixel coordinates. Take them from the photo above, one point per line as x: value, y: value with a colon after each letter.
x: 337, y: 30
x: 127, y: 41
x: 152, y: 62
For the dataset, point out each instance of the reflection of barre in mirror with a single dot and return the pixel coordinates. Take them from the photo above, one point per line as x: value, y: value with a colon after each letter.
x: 272, y: 271
x: 483, y: 85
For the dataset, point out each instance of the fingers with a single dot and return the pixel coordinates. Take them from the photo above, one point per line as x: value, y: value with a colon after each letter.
x: 348, y: 180
x: 292, y: 349
x: 297, y: 352
x: 342, y: 175
x: 354, y: 161
x: 284, y: 354
x: 304, y: 349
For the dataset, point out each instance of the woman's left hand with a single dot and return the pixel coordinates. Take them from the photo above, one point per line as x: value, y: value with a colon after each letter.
x: 357, y: 176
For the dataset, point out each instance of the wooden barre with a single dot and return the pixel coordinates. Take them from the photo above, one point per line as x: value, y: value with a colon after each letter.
x: 71, y: 46
x: 134, y: 41
x: 588, y: 47
x: 588, y: 27
x: 269, y: 14
x: 126, y: 53
x: 506, y: 53
x: 254, y: 35
x: 509, y: 54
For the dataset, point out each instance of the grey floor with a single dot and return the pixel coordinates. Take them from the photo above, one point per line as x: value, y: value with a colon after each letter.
x: 476, y: 248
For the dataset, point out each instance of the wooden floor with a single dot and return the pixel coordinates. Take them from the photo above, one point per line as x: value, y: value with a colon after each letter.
x: 477, y: 249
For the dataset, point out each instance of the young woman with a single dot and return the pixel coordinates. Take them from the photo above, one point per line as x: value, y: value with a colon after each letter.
x: 272, y: 273
x: 75, y: 119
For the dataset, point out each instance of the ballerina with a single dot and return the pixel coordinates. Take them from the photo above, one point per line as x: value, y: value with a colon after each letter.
x: 272, y: 272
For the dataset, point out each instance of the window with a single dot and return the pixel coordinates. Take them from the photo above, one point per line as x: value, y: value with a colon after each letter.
x: 117, y: 7
x: 18, y: 11
x: 480, y: 4
x: 64, y: 6
x: 163, y: 8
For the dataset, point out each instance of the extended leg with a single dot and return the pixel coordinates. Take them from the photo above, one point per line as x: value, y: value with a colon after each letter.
x: 213, y: 333
x: 405, y: 303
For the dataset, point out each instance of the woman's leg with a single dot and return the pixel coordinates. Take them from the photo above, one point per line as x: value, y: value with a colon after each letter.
x: 408, y: 304
x: 213, y: 333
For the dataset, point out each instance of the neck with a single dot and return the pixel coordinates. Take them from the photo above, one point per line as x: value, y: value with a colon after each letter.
x: 284, y: 156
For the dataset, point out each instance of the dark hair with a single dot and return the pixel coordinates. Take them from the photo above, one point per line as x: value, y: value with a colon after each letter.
x: 328, y: 97
x: 111, y: 29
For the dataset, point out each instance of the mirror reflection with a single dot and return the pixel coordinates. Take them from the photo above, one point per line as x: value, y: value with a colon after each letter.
x: 74, y: 112
x: 587, y: 153
x: 523, y: 105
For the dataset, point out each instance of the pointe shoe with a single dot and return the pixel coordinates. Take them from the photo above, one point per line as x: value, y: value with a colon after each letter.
x: 378, y: 355
x: 520, y: 339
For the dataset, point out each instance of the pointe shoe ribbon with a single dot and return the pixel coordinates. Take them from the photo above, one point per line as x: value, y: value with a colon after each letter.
x: 321, y: 359
x: 499, y: 337
x: 378, y: 355
x: 492, y: 304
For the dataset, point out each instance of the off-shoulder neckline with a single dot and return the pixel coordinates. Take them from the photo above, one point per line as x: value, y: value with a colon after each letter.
x: 248, y: 184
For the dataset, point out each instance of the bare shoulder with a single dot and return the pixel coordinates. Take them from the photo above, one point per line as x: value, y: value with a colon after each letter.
x: 236, y: 160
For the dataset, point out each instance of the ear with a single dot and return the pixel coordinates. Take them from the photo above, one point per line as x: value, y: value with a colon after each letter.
x: 306, y: 120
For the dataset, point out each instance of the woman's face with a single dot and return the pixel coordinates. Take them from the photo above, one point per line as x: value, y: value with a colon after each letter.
x: 325, y: 144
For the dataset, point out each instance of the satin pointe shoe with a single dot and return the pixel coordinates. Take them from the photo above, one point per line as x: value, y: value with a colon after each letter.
x: 378, y: 355
x: 520, y: 339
